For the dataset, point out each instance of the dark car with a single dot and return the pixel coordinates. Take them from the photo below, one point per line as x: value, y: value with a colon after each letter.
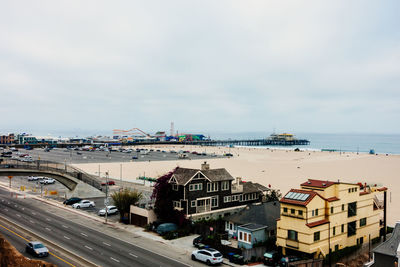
x: 271, y: 258
x: 197, y: 241
x: 72, y: 200
x: 37, y: 249
x: 284, y: 262
x: 109, y: 183
x: 134, y: 157
x: 228, y: 155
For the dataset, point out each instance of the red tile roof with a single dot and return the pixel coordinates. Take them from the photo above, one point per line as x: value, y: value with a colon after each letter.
x: 318, y: 183
x: 332, y: 199
x: 299, y: 202
x: 317, y: 223
x: 382, y: 189
x: 364, y: 193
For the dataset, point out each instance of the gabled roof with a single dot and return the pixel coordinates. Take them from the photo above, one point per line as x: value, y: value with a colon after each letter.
x: 264, y: 214
x: 318, y: 183
x: 253, y: 226
x: 305, y: 202
x: 389, y: 247
x: 250, y: 187
x: 184, y: 175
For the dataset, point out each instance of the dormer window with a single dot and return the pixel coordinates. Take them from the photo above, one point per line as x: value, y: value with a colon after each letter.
x: 175, y: 187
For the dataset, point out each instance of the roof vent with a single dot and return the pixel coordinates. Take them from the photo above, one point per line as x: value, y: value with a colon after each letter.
x: 308, y: 182
x: 324, y: 184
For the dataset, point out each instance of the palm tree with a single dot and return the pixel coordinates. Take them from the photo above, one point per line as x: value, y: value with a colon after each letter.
x: 124, y: 199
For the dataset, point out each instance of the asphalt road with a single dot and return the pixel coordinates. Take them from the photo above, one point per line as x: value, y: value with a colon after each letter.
x: 19, y: 240
x: 94, y: 246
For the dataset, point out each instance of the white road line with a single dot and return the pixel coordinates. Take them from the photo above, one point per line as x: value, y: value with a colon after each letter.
x: 66, y: 237
x: 31, y: 221
x: 6, y: 209
x: 83, y: 234
x: 33, y: 213
x: 48, y: 219
x: 114, y: 259
x: 15, y: 205
x: 133, y: 255
x: 106, y: 244
x: 18, y: 215
x: 23, y: 208
x: 88, y: 247
x: 64, y: 226
x: 48, y: 229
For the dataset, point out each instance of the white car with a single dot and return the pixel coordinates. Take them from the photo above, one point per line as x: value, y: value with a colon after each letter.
x: 47, y: 181
x: 34, y: 178
x: 83, y: 204
x: 207, y: 255
x: 110, y: 210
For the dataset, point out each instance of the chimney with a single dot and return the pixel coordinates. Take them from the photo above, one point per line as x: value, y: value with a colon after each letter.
x: 238, y: 180
x: 205, y: 166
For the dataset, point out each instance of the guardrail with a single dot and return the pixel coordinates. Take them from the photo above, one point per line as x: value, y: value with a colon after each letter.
x: 44, y: 165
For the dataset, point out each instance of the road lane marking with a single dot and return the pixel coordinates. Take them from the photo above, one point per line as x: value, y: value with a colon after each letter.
x: 48, y: 219
x: 29, y: 240
x: 18, y: 215
x: 23, y: 208
x: 48, y: 229
x: 66, y: 237
x: 6, y: 209
x: 106, y: 244
x: 114, y: 259
x: 83, y: 234
x: 33, y: 213
x: 88, y: 247
x: 64, y: 226
x: 15, y: 205
x: 133, y: 255
x: 31, y: 221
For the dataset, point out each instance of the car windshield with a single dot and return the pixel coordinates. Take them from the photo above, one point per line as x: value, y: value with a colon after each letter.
x: 38, y: 246
x: 217, y: 255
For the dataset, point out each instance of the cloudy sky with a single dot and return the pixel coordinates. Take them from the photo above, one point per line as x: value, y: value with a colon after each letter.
x: 230, y: 66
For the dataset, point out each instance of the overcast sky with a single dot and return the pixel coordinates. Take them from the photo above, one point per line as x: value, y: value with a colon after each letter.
x: 233, y: 66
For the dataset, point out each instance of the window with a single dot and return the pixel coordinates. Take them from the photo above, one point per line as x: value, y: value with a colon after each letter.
x: 195, y: 187
x: 352, y: 209
x: 292, y: 235
x: 175, y: 187
x: 292, y: 211
x: 300, y: 213
x: 351, y: 228
x: 241, y: 198
x: 212, y: 187
x: 342, y: 207
x: 285, y: 210
x: 313, y: 213
x: 334, y: 230
x: 331, y: 210
x: 193, y: 203
x: 240, y: 235
x: 316, y: 236
x: 225, y: 185
x: 235, y: 198
x: 342, y: 228
x: 363, y: 222
x: 214, y: 201
x: 316, y: 212
x: 249, y: 238
x: 230, y: 226
x: 245, y: 237
x: 177, y: 204
x: 227, y: 199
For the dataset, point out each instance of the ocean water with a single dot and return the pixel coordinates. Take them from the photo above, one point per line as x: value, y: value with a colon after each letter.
x: 363, y: 143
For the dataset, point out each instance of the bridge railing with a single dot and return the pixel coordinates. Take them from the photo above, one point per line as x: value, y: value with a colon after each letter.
x: 44, y: 165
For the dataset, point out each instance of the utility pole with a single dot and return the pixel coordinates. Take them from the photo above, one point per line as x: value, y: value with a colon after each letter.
x: 120, y: 173
x: 106, y: 201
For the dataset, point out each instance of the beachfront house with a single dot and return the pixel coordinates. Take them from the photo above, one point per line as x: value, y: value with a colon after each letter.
x: 254, y: 224
x: 325, y: 215
x: 211, y: 193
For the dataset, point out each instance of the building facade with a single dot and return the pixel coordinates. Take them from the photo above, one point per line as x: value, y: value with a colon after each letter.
x: 325, y: 215
x: 7, y: 139
x: 205, y: 192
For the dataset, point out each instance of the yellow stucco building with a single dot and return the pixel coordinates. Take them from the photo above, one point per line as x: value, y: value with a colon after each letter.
x: 325, y: 215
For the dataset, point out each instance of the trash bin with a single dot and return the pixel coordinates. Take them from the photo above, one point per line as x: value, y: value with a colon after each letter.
x: 230, y: 256
x: 240, y: 260
x: 201, y: 246
x: 235, y: 258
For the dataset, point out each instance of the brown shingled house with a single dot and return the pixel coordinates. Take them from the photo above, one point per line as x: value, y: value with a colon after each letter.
x: 211, y: 193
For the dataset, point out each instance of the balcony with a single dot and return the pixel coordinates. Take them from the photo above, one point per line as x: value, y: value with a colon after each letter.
x: 292, y: 243
x: 200, y: 209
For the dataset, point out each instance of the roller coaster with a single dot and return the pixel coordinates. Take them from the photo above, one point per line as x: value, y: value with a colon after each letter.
x: 131, y: 132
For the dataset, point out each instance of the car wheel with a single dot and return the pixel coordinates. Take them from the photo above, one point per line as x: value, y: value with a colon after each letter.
x: 208, y: 262
x: 78, y: 207
x: 90, y: 206
x: 193, y: 257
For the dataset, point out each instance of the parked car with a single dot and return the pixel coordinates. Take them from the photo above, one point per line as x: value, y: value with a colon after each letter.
x: 198, y: 240
x: 134, y: 157
x: 33, y: 178
x: 271, y: 258
x: 284, y: 262
x: 110, y: 211
x: 207, y: 255
x: 47, y: 181
x: 109, y: 183
x: 228, y: 155
x: 72, y: 200
x: 166, y: 227
x: 83, y: 204
x: 37, y: 249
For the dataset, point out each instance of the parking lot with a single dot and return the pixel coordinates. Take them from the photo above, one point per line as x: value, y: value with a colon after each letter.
x: 71, y: 156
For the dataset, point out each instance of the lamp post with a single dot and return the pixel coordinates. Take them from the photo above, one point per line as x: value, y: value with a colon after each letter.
x: 120, y: 174
x: 10, y: 177
x: 106, y: 201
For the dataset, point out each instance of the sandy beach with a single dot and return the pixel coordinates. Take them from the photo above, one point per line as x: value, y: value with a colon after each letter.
x: 282, y: 169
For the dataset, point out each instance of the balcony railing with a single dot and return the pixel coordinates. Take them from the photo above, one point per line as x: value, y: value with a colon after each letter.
x: 201, y: 209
